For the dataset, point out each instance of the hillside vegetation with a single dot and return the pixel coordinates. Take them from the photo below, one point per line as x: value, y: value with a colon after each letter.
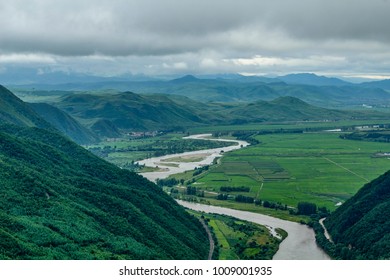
x: 65, y: 123
x: 316, y: 90
x: 109, y: 114
x: 59, y: 201
x: 15, y: 111
x: 361, y: 226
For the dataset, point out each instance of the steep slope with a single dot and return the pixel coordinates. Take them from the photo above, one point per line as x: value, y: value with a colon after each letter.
x: 65, y: 123
x: 58, y: 201
x: 15, y: 111
x: 361, y: 226
x: 105, y: 129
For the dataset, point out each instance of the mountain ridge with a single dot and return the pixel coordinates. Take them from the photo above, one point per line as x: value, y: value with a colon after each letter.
x: 360, y: 227
x: 59, y: 201
x: 65, y: 123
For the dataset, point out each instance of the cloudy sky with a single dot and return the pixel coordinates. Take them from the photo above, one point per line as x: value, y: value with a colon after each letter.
x: 110, y: 37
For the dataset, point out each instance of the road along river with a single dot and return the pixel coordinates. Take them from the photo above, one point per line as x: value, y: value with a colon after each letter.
x: 300, y: 243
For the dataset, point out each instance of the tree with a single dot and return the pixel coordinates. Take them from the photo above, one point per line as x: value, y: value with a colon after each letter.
x: 191, y: 190
x: 307, y: 208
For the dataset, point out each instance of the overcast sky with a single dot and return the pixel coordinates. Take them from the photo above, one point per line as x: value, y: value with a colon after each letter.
x: 110, y: 37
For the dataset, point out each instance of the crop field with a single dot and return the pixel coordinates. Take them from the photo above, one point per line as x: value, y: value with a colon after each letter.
x: 286, y: 125
x: 288, y: 168
x: 237, y: 240
x: 125, y: 151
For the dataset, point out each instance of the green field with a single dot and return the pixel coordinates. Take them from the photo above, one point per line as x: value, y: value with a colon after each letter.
x: 288, y: 168
x: 286, y: 125
x: 236, y: 239
x: 124, y: 152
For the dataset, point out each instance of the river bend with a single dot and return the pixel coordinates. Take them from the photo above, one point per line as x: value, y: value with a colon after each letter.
x: 300, y: 243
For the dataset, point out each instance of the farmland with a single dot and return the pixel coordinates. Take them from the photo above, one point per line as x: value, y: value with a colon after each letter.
x: 236, y: 239
x: 125, y: 151
x: 321, y: 168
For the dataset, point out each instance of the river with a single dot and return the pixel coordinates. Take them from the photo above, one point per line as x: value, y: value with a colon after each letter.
x: 300, y: 243
x: 174, y: 167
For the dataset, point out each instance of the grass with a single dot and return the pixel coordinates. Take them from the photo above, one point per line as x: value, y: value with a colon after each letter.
x: 125, y: 151
x: 288, y: 168
x: 188, y: 158
x: 285, y: 125
x: 236, y: 239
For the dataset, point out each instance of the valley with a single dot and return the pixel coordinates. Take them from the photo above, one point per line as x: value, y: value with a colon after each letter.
x: 274, y: 155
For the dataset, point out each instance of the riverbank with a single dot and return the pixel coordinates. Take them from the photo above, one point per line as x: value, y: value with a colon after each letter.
x: 172, y: 164
x: 300, y: 243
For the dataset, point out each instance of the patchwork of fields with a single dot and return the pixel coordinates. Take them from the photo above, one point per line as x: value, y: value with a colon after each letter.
x: 288, y: 168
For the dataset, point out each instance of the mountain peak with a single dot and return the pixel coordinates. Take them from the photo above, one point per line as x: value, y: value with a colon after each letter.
x: 186, y: 79
x: 288, y: 100
x: 312, y: 79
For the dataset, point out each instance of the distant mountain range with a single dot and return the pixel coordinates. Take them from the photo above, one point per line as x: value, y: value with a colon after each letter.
x: 109, y: 114
x: 59, y: 201
x: 317, y: 90
x: 15, y: 111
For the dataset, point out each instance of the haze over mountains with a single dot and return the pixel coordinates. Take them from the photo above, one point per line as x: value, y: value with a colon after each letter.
x: 116, y: 214
x: 105, y: 107
x: 109, y: 115
x: 317, y: 90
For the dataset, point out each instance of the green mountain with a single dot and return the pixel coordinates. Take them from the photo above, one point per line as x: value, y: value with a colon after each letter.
x: 59, y: 201
x: 317, y: 90
x: 109, y: 115
x: 15, y: 111
x: 361, y: 226
x: 106, y: 129
x: 65, y: 123
x: 129, y: 111
x: 312, y: 79
x: 285, y: 109
x: 383, y: 84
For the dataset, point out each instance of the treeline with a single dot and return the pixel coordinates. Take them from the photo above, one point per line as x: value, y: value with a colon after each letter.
x: 252, y: 200
x: 162, y: 147
x: 169, y: 182
x: 234, y: 189
x: 199, y: 170
x: 249, y: 135
x: 372, y: 136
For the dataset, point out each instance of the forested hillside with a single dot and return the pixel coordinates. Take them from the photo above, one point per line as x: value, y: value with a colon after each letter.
x: 59, y: 201
x: 109, y: 114
x: 65, y: 123
x: 15, y: 111
x: 361, y: 226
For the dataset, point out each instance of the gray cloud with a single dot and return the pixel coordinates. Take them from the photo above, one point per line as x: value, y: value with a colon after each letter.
x: 203, y: 35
